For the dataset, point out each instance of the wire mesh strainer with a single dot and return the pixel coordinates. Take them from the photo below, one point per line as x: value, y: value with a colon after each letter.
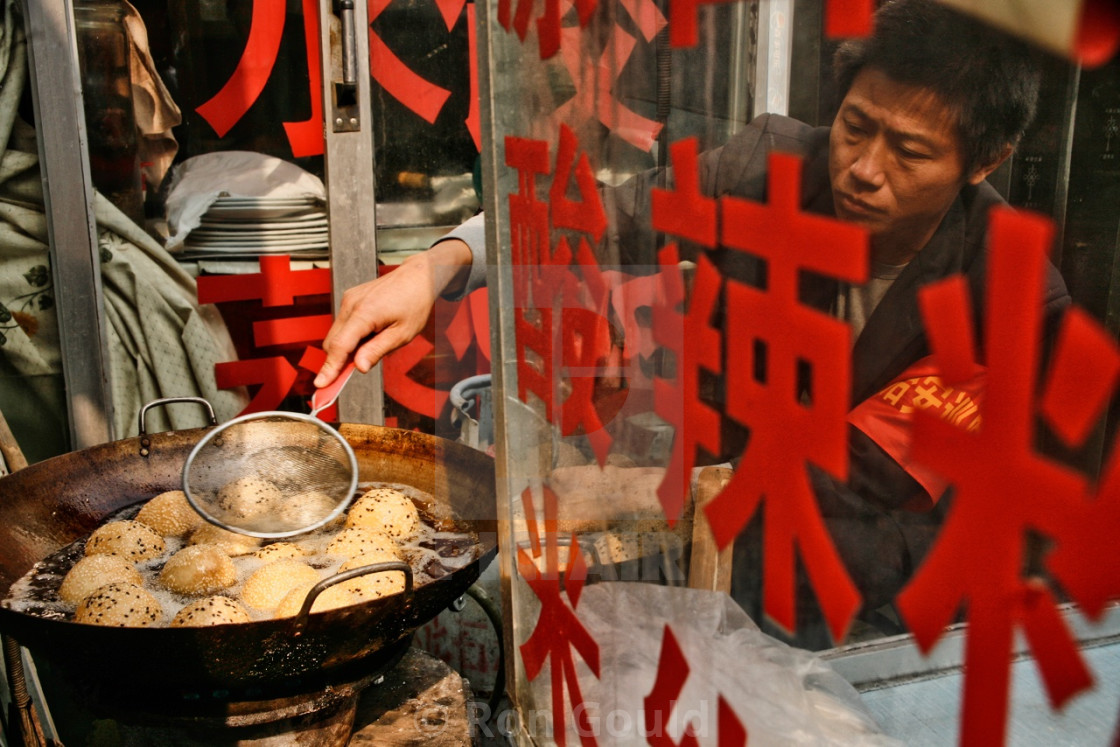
x: 273, y: 474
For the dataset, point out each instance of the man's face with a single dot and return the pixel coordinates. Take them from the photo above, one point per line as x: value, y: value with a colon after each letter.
x: 896, y: 163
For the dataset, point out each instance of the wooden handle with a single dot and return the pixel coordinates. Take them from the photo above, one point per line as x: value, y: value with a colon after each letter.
x: 709, y: 568
x: 13, y: 455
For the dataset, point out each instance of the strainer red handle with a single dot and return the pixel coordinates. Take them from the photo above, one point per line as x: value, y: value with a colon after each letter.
x: 325, y: 397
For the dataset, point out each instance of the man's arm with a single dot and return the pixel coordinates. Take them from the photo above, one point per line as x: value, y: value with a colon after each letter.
x: 385, y: 313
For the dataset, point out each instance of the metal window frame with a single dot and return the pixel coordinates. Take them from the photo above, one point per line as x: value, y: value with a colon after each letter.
x: 350, y: 182
x: 68, y: 203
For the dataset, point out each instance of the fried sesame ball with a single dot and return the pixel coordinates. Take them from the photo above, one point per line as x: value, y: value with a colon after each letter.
x: 232, y: 543
x: 372, y: 585
x: 331, y: 598
x: 215, y: 610
x: 249, y: 499
x: 94, y: 571
x: 267, y: 586
x: 305, y: 509
x: 386, y: 510
x: 129, y: 539
x: 170, y: 514
x: 197, y: 570
x: 361, y: 540
x: 279, y: 551
x: 120, y: 605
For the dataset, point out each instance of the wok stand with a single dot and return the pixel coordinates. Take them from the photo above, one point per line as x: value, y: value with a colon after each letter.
x: 255, y: 677
x: 415, y: 699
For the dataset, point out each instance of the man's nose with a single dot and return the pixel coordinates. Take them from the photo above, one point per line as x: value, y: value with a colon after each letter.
x: 868, y: 167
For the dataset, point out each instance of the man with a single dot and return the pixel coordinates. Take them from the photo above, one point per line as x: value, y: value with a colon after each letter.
x: 931, y: 105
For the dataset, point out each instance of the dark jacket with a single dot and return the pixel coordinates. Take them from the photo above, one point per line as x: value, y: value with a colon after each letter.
x: 880, y: 542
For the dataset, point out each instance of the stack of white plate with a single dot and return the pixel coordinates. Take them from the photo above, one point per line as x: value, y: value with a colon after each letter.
x: 261, y: 225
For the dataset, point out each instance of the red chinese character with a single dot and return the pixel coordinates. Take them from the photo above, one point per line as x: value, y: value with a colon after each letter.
x: 696, y: 346
x: 1098, y: 33
x: 560, y: 326
x: 274, y: 375
x: 421, y: 96
x: 557, y: 630
x: 1085, y: 370
x: 788, y: 371
x: 275, y: 286
x: 1004, y: 489
x: 548, y: 25
x: 593, y: 98
x: 848, y: 17
x: 672, y: 672
x: 695, y: 343
x: 244, y: 87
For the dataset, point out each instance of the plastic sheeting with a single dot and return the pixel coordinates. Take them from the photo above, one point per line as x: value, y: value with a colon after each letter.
x: 781, y: 695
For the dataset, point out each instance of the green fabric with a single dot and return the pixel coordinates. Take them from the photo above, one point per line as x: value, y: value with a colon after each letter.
x: 161, y: 342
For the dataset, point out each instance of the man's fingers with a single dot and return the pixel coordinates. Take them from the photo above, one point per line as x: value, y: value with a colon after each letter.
x: 342, y: 339
x: 377, y: 347
x: 338, y: 346
x: 329, y: 371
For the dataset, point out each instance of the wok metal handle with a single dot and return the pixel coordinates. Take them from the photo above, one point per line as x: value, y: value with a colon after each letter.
x: 395, y: 565
x: 145, y: 442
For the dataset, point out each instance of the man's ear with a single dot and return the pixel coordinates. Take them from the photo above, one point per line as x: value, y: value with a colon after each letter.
x: 981, y: 173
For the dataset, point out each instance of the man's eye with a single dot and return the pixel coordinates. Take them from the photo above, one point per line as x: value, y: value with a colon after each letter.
x: 854, y: 128
x: 912, y: 155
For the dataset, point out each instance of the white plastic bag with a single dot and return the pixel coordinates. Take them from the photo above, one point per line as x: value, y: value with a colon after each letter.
x: 782, y: 695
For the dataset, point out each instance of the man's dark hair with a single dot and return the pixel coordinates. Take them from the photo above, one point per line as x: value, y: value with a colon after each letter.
x: 989, y: 78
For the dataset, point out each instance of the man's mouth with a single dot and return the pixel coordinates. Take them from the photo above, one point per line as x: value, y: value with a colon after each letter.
x: 856, y: 206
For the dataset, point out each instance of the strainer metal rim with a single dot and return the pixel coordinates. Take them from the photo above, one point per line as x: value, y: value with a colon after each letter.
x: 347, y: 449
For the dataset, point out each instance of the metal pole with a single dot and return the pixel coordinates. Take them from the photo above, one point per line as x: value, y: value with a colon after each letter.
x: 68, y: 203
x: 350, y: 181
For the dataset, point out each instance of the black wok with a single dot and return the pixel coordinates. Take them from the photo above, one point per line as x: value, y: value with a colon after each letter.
x: 49, y: 505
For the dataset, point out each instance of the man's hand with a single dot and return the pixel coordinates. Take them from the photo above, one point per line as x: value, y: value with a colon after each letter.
x: 381, y: 315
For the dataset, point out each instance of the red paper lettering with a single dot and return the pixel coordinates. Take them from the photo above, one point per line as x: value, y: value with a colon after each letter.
x: 559, y: 319
x: 450, y: 10
x: 690, y: 336
x: 306, y: 138
x: 1003, y: 489
x: 584, y: 337
x: 274, y: 375
x: 1075, y: 392
x: 253, y: 70
x: 684, y: 211
x: 1098, y: 33
x: 558, y: 631
x: 593, y: 98
x: 406, y: 390
x: 773, y: 342
x: 684, y: 28
x: 291, y: 330
x: 474, y: 123
x: 586, y: 214
x: 848, y: 18
x: 672, y: 672
x: 421, y: 96
x: 244, y: 87
x: 275, y: 285
x: 695, y: 345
